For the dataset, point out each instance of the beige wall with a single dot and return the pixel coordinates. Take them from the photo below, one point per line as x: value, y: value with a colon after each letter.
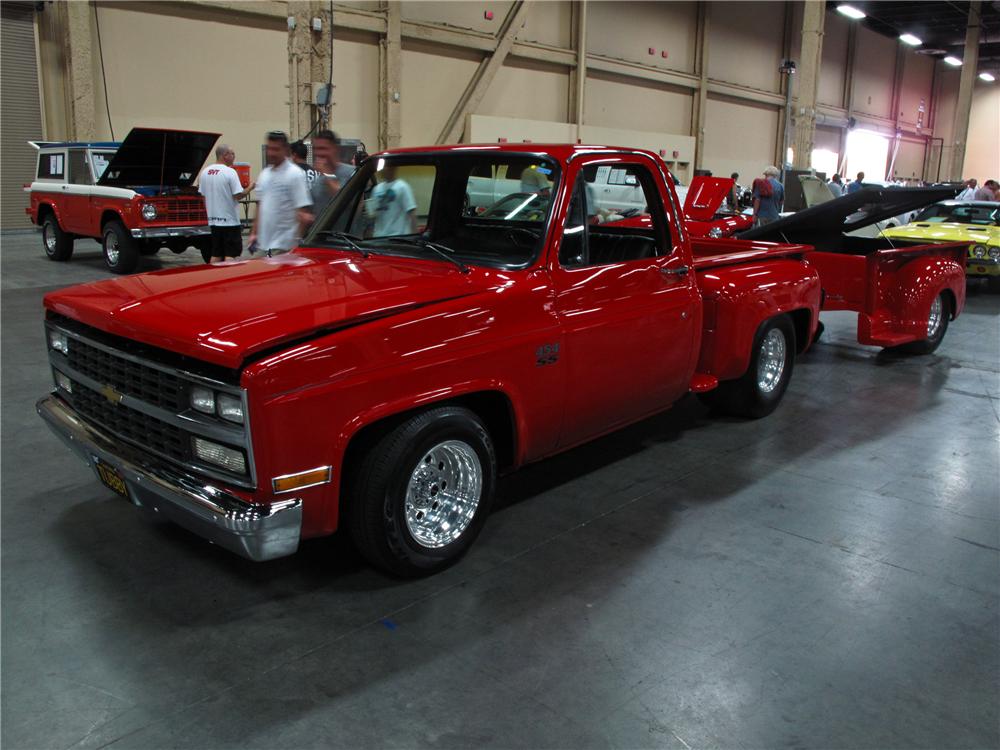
x: 982, y: 153
x: 186, y: 65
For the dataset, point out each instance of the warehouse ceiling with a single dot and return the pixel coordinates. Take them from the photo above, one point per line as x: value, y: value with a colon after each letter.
x: 939, y: 25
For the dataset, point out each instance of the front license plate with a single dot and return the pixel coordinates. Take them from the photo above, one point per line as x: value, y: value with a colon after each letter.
x: 111, y: 478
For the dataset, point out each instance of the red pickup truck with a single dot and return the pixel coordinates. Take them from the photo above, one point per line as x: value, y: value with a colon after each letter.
x: 133, y: 197
x: 382, y: 375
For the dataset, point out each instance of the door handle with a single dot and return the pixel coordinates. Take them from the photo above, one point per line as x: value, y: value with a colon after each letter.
x: 679, y: 271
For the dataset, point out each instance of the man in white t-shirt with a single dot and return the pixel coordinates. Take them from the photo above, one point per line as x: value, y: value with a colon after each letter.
x: 282, y: 212
x: 221, y: 187
x: 969, y: 191
x: 392, y: 205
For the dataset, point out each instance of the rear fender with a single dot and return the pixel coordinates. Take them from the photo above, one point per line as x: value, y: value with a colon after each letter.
x: 900, y: 302
x: 738, y: 299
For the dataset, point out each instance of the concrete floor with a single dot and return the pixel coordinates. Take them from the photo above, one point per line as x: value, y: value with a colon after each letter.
x: 823, y: 578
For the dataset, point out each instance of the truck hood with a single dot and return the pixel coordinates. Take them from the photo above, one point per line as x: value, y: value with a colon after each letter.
x: 223, y: 314
x: 153, y: 156
x: 705, y: 195
x: 829, y: 220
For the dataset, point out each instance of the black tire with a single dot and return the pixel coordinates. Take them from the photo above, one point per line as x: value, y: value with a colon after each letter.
x: 933, y: 341
x: 58, y: 244
x: 745, y: 397
x: 121, y: 252
x: 376, y: 506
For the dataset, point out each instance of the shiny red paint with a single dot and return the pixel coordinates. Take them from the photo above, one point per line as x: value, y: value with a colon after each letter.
x: 892, y: 289
x: 328, y: 343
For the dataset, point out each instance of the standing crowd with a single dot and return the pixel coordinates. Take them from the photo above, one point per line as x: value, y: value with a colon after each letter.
x: 290, y: 192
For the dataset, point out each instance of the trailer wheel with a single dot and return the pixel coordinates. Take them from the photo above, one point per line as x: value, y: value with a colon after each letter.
x: 422, y: 492
x: 937, y: 326
x: 120, y: 251
x: 760, y: 389
x: 57, y: 243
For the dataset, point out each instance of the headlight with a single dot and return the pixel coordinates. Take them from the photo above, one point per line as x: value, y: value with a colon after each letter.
x: 714, y: 232
x: 978, y: 251
x: 229, y: 407
x: 220, y: 455
x: 148, y: 211
x: 59, y: 341
x: 203, y: 400
x: 995, y: 253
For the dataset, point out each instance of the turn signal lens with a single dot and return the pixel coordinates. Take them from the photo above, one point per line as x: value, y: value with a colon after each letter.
x: 220, y: 455
x: 303, y: 479
x: 63, y: 381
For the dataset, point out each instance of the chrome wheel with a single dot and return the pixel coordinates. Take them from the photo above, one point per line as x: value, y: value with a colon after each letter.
x: 443, y: 493
x: 771, y: 362
x: 111, y: 249
x: 49, y: 238
x: 934, y: 319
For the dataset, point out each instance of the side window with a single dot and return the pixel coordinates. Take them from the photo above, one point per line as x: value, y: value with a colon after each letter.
x: 79, y: 171
x: 395, y: 202
x: 51, y: 166
x: 599, y: 231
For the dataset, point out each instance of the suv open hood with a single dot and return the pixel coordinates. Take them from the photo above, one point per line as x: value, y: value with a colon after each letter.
x: 151, y: 156
x: 848, y: 213
x: 705, y: 195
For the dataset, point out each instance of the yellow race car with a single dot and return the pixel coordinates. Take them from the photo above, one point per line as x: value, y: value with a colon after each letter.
x: 975, y: 222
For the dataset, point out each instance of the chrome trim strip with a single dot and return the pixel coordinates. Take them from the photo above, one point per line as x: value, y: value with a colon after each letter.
x: 329, y: 478
x: 258, y: 531
x: 168, y: 232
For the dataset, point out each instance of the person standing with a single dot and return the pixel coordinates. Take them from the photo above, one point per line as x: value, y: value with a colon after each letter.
x: 969, y: 191
x: 768, y: 197
x: 282, y: 212
x: 392, y: 205
x: 857, y: 184
x: 220, y: 184
x: 988, y: 192
x: 733, y: 196
x: 331, y: 173
x: 836, y: 186
x: 300, y: 155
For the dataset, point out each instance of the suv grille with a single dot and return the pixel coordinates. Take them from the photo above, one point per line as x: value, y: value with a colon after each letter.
x: 132, y: 425
x: 131, y: 378
x: 188, y: 210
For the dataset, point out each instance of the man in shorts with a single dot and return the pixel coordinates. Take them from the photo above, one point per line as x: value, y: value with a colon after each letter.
x: 221, y: 187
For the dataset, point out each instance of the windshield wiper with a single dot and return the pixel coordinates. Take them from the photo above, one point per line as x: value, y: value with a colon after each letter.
x: 348, y: 239
x: 443, y: 250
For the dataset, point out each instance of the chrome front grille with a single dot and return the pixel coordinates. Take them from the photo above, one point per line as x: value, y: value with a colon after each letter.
x: 147, y: 403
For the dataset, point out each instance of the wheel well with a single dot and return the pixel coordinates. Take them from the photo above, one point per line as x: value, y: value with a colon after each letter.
x: 493, y: 407
x: 950, y: 296
x: 44, y: 209
x: 801, y: 320
x: 107, y: 217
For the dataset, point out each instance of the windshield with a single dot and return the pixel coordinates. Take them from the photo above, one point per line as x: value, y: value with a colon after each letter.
x: 984, y: 215
x: 489, y: 209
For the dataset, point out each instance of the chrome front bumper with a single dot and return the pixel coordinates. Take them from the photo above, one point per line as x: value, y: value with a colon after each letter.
x: 253, y: 530
x: 168, y: 232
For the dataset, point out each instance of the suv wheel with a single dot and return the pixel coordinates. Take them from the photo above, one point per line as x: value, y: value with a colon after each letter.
x: 120, y: 251
x: 57, y: 243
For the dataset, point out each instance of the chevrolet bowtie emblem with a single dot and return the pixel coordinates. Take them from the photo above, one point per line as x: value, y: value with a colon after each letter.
x: 112, y: 395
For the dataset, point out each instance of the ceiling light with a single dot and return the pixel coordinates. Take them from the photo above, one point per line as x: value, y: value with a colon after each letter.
x: 913, y: 41
x: 850, y: 11
x: 954, y: 61
x: 987, y: 77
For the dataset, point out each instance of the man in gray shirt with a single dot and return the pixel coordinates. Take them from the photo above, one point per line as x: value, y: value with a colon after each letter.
x: 332, y: 174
